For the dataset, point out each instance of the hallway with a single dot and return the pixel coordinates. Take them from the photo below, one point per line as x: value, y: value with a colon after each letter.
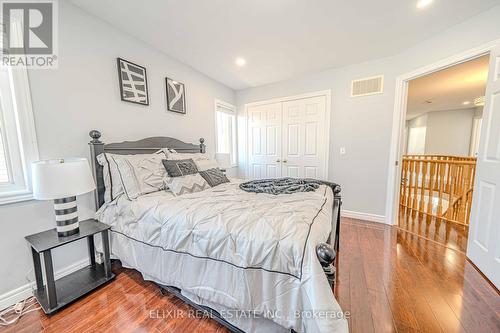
x: 394, y: 281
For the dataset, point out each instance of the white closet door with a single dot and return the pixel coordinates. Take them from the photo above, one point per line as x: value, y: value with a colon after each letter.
x: 304, y: 138
x: 264, y: 141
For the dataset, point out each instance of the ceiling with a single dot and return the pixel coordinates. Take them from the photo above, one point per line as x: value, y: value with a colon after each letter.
x: 448, y: 89
x: 279, y: 39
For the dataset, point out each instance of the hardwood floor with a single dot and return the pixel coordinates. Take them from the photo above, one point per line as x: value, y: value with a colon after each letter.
x: 450, y: 234
x: 389, y: 280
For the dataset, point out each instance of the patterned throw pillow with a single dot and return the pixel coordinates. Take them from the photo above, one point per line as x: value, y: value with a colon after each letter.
x: 214, y: 177
x: 178, y: 168
x: 186, y: 184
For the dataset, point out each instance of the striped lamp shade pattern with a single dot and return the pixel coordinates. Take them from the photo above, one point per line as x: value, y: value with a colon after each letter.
x: 66, y: 216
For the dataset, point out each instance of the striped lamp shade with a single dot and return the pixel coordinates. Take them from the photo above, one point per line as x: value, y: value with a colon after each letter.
x: 62, y: 180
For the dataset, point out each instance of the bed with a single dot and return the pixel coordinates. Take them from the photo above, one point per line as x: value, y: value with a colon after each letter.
x: 253, y: 262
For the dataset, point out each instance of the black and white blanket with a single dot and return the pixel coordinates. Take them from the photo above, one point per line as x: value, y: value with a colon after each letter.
x: 281, y: 185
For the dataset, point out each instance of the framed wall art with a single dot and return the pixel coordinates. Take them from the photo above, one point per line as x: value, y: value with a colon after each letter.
x: 176, y: 96
x: 133, y: 82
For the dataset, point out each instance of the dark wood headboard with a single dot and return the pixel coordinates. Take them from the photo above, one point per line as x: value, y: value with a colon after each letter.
x: 144, y: 146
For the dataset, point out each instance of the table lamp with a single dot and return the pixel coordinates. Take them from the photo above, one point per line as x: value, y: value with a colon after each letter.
x: 62, y: 180
x: 224, y: 160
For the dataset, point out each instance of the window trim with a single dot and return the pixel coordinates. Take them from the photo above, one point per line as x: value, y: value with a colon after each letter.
x: 231, y: 109
x: 26, y: 147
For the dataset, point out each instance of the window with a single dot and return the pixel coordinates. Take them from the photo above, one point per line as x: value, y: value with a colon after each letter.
x: 416, y: 141
x: 18, y: 146
x: 475, y: 136
x: 225, y: 130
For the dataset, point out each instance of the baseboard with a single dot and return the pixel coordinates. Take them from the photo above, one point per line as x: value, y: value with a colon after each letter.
x: 23, y: 292
x: 364, y: 216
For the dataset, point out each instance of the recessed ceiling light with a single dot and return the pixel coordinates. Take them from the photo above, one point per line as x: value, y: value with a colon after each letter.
x: 466, y: 103
x: 423, y: 3
x: 240, y: 62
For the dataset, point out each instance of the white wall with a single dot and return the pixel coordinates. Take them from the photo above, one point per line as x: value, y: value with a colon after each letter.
x: 449, y: 132
x: 83, y: 94
x: 364, y: 124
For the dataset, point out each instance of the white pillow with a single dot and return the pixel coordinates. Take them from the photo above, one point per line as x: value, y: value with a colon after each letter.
x: 186, y: 184
x: 112, y: 184
x: 204, y: 165
x: 173, y: 155
x: 133, y: 174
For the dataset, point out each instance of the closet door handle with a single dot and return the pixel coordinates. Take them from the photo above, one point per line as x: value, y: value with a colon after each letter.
x: 278, y: 160
x: 284, y: 161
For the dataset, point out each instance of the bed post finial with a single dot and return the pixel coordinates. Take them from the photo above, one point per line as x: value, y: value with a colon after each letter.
x: 96, y: 148
x: 202, y: 145
x: 95, y: 135
x: 326, y: 255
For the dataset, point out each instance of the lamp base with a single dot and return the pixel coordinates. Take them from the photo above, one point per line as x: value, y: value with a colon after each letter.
x: 66, y: 216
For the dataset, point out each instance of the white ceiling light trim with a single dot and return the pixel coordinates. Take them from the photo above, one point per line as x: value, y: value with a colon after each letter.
x: 240, y: 62
x: 424, y: 3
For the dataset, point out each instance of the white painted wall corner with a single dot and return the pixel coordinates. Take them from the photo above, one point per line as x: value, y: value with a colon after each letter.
x: 25, y: 291
x: 364, y: 216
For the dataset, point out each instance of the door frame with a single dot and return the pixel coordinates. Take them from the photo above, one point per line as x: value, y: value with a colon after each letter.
x: 326, y: 93
x: 399, y: 117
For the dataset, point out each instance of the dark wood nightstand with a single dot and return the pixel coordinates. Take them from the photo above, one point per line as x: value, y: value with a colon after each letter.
x: 57, y: 293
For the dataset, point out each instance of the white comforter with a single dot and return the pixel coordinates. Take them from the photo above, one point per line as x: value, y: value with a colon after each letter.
x: 234, y: 250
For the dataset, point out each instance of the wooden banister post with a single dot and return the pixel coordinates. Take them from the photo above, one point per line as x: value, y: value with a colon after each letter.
x: 442, y: 167
x: 415, y: 189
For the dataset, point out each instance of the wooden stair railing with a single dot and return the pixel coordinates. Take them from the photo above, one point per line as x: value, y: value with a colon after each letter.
x: 441, y: 186
x: 440, y: 157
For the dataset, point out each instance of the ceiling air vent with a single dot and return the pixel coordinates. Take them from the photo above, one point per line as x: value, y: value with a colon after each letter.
x: 367, y: 86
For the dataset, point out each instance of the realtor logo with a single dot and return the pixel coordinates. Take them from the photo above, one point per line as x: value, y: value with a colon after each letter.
x: 29, y: 33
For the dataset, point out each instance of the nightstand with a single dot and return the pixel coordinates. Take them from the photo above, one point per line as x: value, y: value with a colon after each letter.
x: 55, y: 294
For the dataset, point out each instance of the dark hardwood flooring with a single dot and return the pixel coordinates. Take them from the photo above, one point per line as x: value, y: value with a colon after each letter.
x: 447, y: 233
x: 389, y: 280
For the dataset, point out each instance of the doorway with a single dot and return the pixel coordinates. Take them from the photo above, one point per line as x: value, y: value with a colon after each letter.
x: 483, y: 245
x: 443, y: 119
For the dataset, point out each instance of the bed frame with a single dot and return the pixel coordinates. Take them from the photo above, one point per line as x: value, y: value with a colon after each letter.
x: 326, y: 252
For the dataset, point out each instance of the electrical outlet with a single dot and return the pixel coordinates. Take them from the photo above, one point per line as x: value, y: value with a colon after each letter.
x: 99, y: 257
x: 18, y: 308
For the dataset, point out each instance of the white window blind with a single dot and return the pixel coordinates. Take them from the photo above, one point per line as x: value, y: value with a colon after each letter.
x: 18, y: 147
x: 225, y: 126
x: 4, y: 174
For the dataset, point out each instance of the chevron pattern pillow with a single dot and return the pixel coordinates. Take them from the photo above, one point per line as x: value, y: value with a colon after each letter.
x: 186, y: 184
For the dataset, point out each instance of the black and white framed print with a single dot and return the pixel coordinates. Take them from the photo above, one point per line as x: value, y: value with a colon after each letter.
x: 176, y: 96
x: 133, y: 82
